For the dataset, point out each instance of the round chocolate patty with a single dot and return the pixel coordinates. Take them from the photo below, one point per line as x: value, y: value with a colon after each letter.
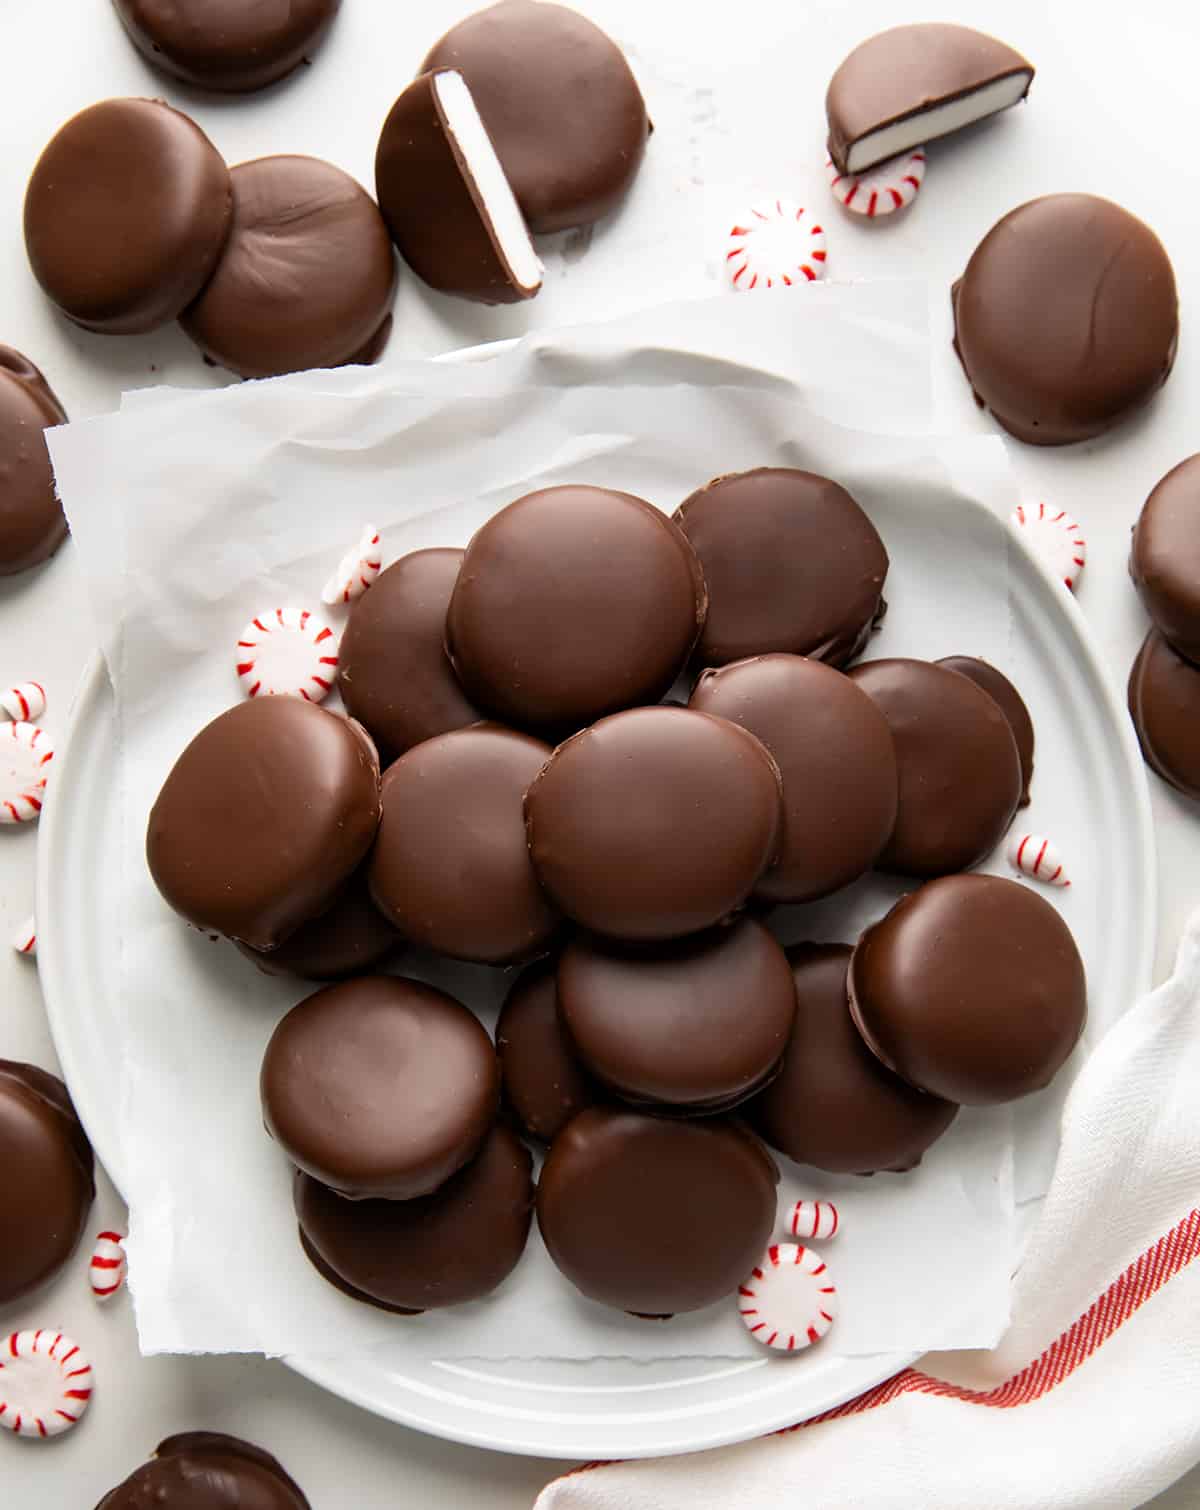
x: 443, y: 1249
x: 1165, y: 559
x: 32, y: 524
x: 393, y: 671
x: 46, y: 1186
x: 207, y: 1470
x: 1164, y: 703
x: 835, y: 754
x: 226, y: 45
x: 562, y: 109
x: 544, y: 1083
x: 352, y: 937
x: 960, y: 771
x: 1010, y: 702
x: 451, y: 868
x: 699, y: 1024
x: 263, y: 819
x: 307, y: 275
x: 792, y: 563
x: 654, y: 823
x: 380, y: 1087
x: 571, y: 603
x: 654, y: 1215
x: 971, y: 988
x: 833, y: 1105
x: 1066, y: 318
x: 125, y: 215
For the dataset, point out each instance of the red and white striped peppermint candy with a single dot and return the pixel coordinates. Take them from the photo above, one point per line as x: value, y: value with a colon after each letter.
x: 789, y: 1301
x: 776, y: 244
x: 26, y: 751
x: 356, y: 571
x: 106, y: 1269
x: 1054, y: 537
x: 45, y: 1383
x: 1038, y: 858
x: 816, y: 1220
x: 24, y: 938
x: 881, y: 190
x: 26, y: 702
x: 287, y: 651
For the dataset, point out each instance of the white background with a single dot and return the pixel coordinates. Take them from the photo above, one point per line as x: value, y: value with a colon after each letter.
x: 736, y: 96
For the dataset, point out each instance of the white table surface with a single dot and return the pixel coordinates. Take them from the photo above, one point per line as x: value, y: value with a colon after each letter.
x: 736, y: 95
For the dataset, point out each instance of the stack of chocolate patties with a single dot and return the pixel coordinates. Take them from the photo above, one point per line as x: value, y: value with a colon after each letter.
x: 543, y: 805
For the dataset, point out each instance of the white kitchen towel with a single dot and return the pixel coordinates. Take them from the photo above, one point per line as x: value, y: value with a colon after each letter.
x: 1092, y: 1399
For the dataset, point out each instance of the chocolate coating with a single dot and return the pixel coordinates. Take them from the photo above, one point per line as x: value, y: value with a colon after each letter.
x: 1010, y: 702
x: 207, y: 1470
x: 451, y: 868
x: 1066, y: 319
x: 442, y: 1249
x: 960, y: 771
x: 393, y: 671
x: 352, y: 937
x: 971, y: 988
x: 226, y: 45
x: 32, y: 523
x: 654, y: 823
x: 379, y: 1087
x: 700, y: 1023
x: 833, y: 1105
x: 791, y: 562
x: 562, y: 108
x: 307, y: 275
x: 126, y: 214
x: 574, y: 602
x: 46, y: 1185
x: 837, y: 760
x: 545, y: 1085
x: 1164, y: 561
x: 654, y: 1215
x: 263, y: 819
x: 1164, y: 703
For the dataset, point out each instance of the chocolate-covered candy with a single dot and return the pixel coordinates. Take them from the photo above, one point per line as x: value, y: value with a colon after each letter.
x: 126, y: 214
x: 791, y: 562
x: 833, y: 1105
x: 1164, y: 561
x: 559, y: 103
x: 207, y: 1470
x: 836, y: 758
x: 307, y: 275
x: 1066, y: 319
x: 971, y: 988
x: 443, y: 1249
x: 350, y: 938
x: 654, y: 823
x: 1010, y: 702
x: 1164, y: 703
x: 451, y: 867
x: 46, y: 1185
x: 393, y: 671
x: 545, y: 1085
x: 698, y: 1024
x: 960, y: 771
x: 32, y: 524
x: 447, y: 202
x: 574, y: 602
x: 263, y: 819
x: 912, y: 84
x: 226, y: 45
x: 655, y: 1215
x: 379, y: 1087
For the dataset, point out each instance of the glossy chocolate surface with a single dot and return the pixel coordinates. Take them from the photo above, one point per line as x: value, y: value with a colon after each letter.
x: 833, y: 1105
x: 1164, y: 561
x: 207, y: 1470
x: 960, y: 771
x: 451, y: 867
x: 1066, y: 319
x: 32, y: 524
x: 126, y: 214
x: 352, y: 937
x: 1164, y: 703
x: 835, y: 755
x: 1010, y: 702
x: 654, y: 823
x: 971, y: 988
x: 545, y: 1085
x: 791, y: 562
x: 263, y: 819
x: 571, y: 603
